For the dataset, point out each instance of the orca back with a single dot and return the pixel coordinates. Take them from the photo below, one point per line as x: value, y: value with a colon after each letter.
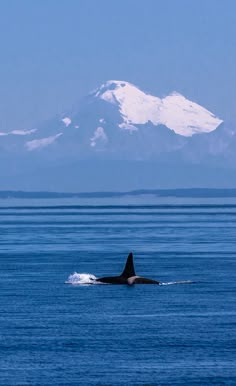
x: 129, y: 267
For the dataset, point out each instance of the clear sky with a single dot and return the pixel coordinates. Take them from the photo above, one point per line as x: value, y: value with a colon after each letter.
x: 53, y: 52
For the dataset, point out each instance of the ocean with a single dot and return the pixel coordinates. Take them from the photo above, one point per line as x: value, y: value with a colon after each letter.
x: 53, y: 333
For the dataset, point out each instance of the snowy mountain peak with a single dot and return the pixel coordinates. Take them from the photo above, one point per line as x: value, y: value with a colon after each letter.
x: 112, y: 85
x: 113, y: 90
x: 176, y: 112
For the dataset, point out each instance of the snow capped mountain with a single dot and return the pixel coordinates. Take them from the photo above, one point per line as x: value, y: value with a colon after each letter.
x: 118, y: 121
x: 174, y: 111
x: 119, y: 137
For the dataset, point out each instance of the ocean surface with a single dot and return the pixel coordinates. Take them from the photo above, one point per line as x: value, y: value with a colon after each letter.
x: 52, y: 333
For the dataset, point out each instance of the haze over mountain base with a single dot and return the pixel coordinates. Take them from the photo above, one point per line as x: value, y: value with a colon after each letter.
x: 85, y: 176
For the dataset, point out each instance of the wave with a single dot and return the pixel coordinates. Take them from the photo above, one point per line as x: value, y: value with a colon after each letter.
x: 177, y: 282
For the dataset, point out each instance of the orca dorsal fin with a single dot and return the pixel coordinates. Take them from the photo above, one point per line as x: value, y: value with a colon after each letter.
x: 129, y: 267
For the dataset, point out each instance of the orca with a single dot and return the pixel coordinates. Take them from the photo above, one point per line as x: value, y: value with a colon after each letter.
x: 128, y: 276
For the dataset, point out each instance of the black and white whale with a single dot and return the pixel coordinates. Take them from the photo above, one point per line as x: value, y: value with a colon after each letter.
x: 128, y: 276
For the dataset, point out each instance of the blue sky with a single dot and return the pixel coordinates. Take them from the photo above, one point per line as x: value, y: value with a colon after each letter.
x: 53, y: 52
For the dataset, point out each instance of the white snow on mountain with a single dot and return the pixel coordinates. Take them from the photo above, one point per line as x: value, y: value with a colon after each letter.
x: 23, y: 132
x: 19, y: 132
x: 128, y: 126
x: 39, y: 143
x: 174, y: 111
x: 186, y: 117
x: 99, y: 134
x: 67, y: 121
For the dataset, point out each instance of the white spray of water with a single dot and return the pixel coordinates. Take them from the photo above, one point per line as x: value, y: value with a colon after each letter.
x: 81, y: 279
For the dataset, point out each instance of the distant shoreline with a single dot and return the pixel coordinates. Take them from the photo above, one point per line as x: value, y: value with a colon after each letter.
x: 187, y: 192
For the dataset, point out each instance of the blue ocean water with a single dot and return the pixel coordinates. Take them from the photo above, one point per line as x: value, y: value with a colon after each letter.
x: 52, y: 333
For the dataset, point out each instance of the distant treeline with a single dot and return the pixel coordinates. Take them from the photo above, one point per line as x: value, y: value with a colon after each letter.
x: 194, y: 192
